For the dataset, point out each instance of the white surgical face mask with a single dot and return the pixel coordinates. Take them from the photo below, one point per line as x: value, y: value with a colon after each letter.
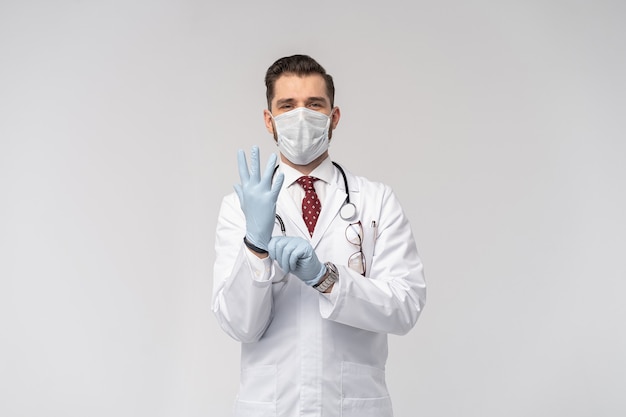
x: 302, y: 134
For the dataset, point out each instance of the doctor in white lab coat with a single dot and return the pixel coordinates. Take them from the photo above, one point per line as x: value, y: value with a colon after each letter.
x: 312, y: 310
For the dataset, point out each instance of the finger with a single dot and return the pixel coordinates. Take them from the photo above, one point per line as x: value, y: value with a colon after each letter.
x: 276, y: 187
x: 269, y: 170
x: 244, y: 175
x: 272, y: 247
x: 286, y: 254
x: 306, y: 251
x: 293, y: 260
x: 295, y: 253
x: 255, y: 167
x: 275, y: 249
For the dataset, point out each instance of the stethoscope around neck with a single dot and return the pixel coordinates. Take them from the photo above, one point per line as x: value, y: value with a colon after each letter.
x: 347, y: 211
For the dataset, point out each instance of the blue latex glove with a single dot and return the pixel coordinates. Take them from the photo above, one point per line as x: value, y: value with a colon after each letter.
x: 257, y: 197
x: 297, y: 256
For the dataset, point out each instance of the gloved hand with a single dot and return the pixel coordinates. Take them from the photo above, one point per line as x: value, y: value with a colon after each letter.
x: 297, y: 256
x: 257, y: 197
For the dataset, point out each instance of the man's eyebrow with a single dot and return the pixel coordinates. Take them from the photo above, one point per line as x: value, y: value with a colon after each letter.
x: 284, y: 101
x: 313, y: 99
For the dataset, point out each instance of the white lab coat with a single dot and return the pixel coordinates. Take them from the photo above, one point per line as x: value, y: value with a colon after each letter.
x: 309, y: 354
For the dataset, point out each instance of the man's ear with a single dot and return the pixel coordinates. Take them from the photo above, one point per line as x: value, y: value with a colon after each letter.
x: 334, y: 118
x: 334, y: 121
x: 269, y: 122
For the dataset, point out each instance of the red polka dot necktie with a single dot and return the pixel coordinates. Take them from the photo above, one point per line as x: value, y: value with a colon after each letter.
x: 311, y: 205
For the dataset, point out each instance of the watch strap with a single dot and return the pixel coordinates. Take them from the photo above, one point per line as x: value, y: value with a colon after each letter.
x: 329, y: 278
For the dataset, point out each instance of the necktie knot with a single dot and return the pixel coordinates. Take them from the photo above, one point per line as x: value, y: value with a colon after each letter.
x: 306, y: 182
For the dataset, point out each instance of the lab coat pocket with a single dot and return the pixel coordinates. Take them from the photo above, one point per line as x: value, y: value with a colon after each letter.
x: 364, y: 391
x: 257, y: 392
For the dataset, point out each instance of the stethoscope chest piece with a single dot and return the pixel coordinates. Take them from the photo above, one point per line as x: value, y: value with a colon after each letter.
x: 348, y: 212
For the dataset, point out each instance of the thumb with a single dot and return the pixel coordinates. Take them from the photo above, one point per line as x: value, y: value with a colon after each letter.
x: 239, y: 192
x: 278, y: 183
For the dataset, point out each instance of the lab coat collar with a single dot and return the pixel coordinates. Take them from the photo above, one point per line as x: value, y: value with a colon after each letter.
x: 325, y: 172
x: 335, y: 196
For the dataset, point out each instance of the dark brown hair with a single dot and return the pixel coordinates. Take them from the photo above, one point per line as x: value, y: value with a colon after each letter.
x: 299, y: 65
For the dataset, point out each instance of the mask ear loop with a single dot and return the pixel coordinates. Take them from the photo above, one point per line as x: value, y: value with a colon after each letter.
x: 274, y: 132
x: 330, y: 124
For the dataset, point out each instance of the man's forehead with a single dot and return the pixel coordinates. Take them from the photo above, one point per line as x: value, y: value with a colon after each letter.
x: 292, y: 86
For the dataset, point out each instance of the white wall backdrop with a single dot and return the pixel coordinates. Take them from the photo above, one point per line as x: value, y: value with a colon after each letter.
x: 119, y: 125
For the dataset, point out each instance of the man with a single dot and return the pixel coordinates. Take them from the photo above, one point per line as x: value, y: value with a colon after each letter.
x: 312, y: 293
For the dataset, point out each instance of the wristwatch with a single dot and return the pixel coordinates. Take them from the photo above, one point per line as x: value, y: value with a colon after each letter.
x: 329, y: 278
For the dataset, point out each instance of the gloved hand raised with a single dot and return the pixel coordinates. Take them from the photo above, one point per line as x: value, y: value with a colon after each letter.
x: 297, y: 256
x: 257, y: 197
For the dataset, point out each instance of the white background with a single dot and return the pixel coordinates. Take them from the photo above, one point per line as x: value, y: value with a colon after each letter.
x: 499, y: 124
